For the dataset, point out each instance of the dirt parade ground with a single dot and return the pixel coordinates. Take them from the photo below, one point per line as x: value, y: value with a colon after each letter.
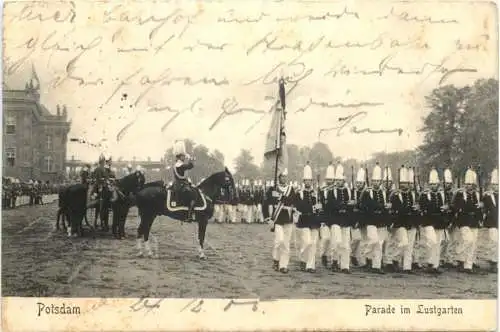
x: 37, y: 261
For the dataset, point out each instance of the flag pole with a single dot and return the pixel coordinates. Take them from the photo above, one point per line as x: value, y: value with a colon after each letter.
x: 281, y: 88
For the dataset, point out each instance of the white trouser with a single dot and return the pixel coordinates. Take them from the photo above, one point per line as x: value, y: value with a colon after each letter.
x: 435, y: 250
x: 375, y: 238
x: 281, y: 249
x: 408, y: 249
x: 258, y: 213
x: 492, y: 244
x: 450, y: 247
x: 308, y: 240
x: 230, y: 211
x: 467, y: 246
x: 218, y: 213
x: 359, y: 244
x: 397, y: 239
x: 248, y: 213
x: 241, y: 212
x: 340, y: 245
x: 324, y: 240
x: 427, y: 244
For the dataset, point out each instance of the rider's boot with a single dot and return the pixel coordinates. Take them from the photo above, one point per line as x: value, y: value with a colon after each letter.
x: 190, y: 211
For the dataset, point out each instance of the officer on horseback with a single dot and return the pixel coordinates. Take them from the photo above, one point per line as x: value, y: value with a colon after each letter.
x: 181, y: 185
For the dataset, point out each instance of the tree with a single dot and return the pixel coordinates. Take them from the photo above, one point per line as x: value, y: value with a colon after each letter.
x: 218, y: 156
x: 462, y: 128
x: 320, y: 157
x: 245, y: 167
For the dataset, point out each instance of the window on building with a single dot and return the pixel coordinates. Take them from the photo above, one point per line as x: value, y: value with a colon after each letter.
x: 11, y: 156
x: 48, y: 164
x: 49, y: 142
x: 10, y: 125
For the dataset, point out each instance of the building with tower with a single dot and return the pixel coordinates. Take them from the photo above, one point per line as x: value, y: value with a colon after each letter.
x: 34, y: 139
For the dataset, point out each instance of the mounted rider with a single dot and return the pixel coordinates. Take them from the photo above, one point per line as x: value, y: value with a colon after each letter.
x: 100, y: 176
x: 109, y: 171
x: 181, y: 185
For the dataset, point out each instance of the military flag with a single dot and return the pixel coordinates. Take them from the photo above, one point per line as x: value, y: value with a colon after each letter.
x: 275, y: 149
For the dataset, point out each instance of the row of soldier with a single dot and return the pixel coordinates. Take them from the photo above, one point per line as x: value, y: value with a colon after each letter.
x: 13, y: 189
x: 376, y: 226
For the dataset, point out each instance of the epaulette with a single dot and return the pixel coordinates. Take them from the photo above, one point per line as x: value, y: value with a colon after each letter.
x: 488, y: 192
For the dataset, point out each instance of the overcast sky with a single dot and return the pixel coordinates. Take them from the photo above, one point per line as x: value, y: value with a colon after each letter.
x: 330, y: 52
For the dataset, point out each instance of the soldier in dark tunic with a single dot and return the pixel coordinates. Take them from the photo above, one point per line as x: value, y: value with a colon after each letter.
x: 434, y: 221
x: 358, y: 231
x: 181, y: 184
x: 490, y: 200
x: 307, y: 206
x: 221, y: 198
x: 402, y: 201
x: 452, y: 232
x: 258, y: 198
x: 326, y: 199
x: 340, y: 231
x: 281, y: 198
x: 374, y: 206
x: 467, y: 205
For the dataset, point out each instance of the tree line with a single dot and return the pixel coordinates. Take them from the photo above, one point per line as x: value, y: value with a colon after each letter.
x: 460, y: 130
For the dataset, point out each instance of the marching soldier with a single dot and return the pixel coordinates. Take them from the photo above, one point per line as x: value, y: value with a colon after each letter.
x: 281, y: 198
x: 326, y: 198
x: 450, y: 245
x: 221, y: 198
x: 490, y: 200
x: 183, y: 163
x: 409, y: 258
x: 434, y: 209
x: 358, y: 230
x: 247, y: 203
x: 232, y: 205
x: 258, y: 198
x: 374, y: 204
x: 307, y: 205
x: 401, y: 202
x: 467, y: 205
x: 340, y: 232
x: 391, y: 244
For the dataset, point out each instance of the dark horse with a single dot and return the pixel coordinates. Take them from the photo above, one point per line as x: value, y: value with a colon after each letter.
x: 73, y: 200
x: 123, y: 197
x: 102, y: 206
x: 158, y: 200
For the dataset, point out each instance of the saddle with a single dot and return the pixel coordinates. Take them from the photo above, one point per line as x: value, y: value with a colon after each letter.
x: 175, y: 202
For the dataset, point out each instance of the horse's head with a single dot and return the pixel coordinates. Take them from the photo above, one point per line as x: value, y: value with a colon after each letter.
x: 130, y: 184
x: 211, y: 185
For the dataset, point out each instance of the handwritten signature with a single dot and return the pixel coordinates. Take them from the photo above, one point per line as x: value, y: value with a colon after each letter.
x: 352, y: 119
x: 386, y: 66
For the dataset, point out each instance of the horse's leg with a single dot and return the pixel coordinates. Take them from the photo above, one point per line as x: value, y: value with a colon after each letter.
x: 202, y: 229
x: 140, y: 238
x: 58, y: 218
x: 122, y: 221
x: 148, y: 222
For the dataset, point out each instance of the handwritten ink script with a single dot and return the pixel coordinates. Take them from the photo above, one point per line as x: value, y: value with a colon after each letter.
x: 146, y: 305
x: 215, y: 66
x: 196, y: 305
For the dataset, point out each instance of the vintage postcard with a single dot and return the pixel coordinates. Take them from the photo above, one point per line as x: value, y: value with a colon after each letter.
x: 249, y: 165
